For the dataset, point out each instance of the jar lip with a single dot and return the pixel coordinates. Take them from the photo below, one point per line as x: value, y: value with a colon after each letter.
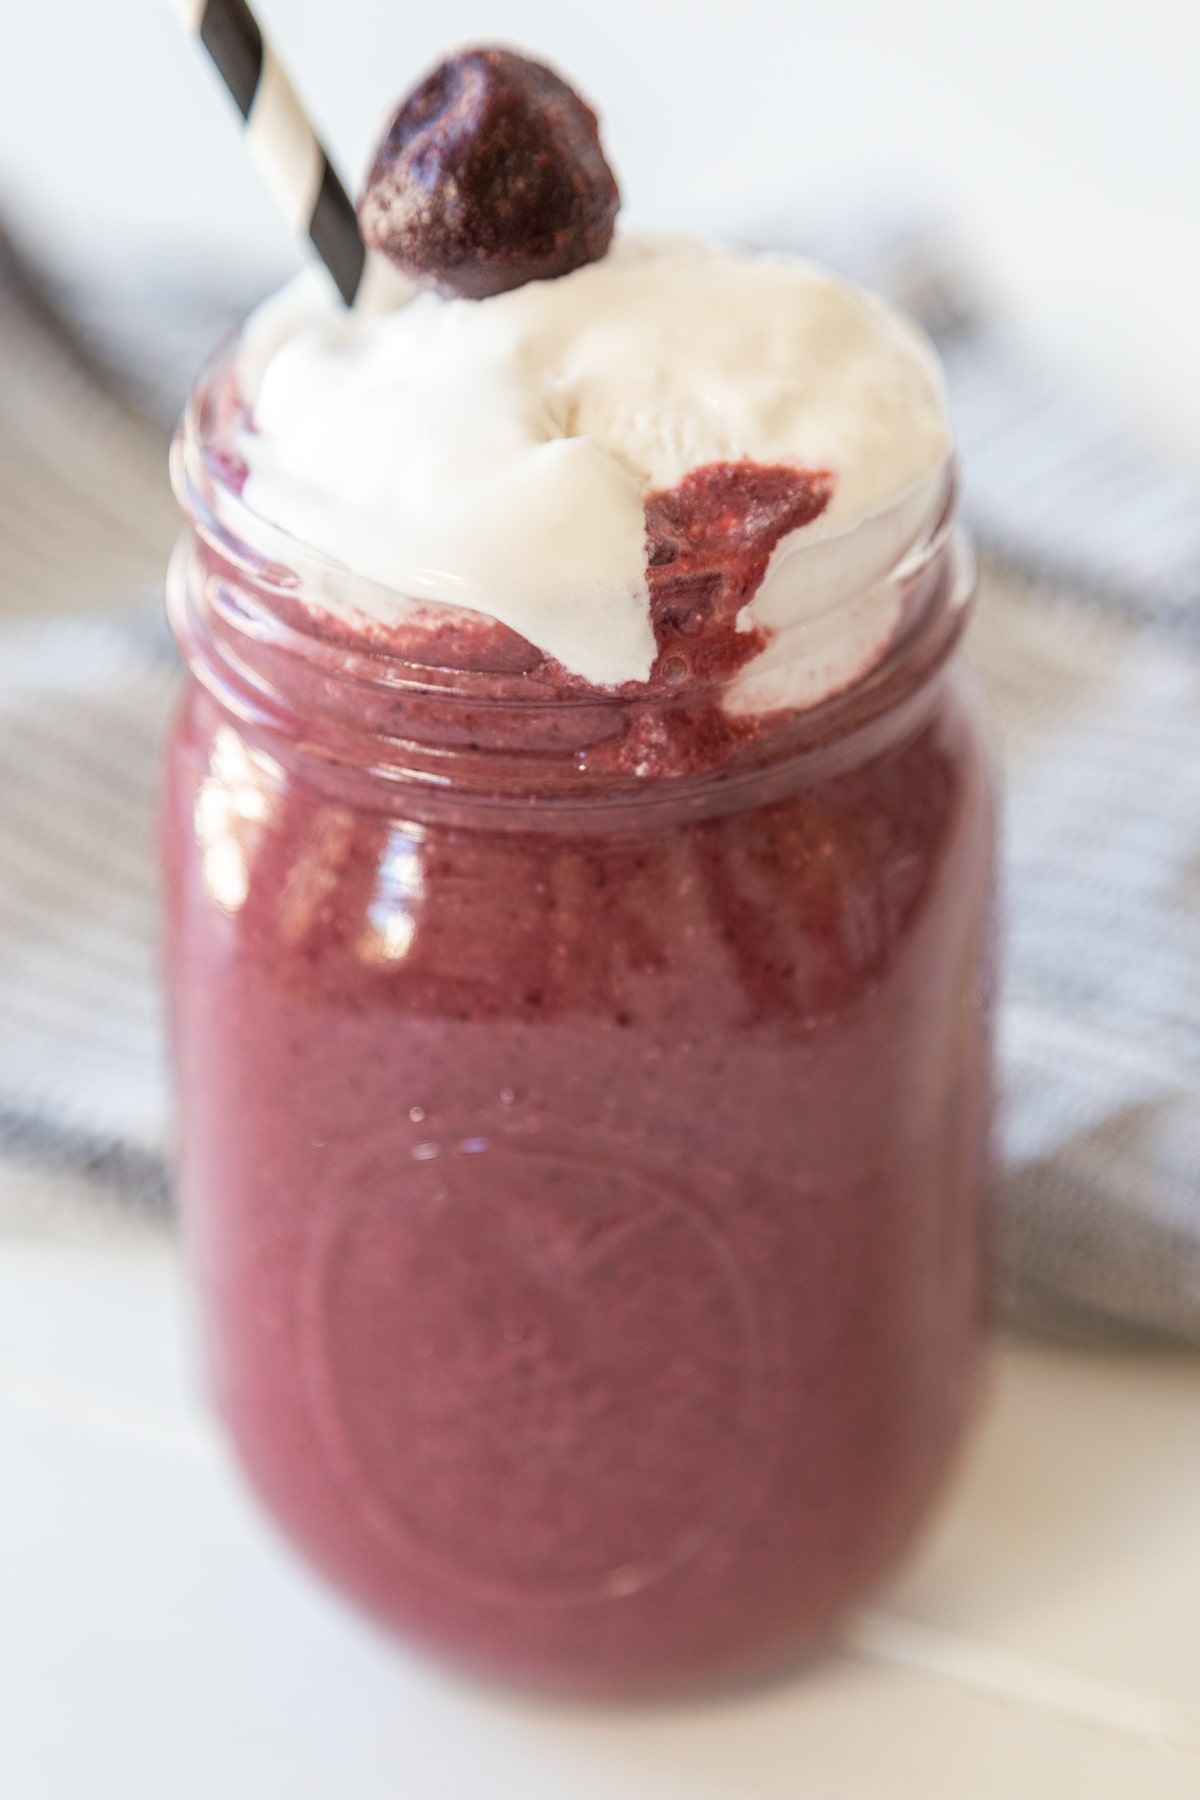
x: 462, y: 703
x: 290, y: 578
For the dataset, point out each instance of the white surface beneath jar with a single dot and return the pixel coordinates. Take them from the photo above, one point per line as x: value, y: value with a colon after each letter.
x: 157, y: 1639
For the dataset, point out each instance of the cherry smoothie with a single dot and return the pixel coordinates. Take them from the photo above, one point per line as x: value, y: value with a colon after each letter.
x: 582, y: 1036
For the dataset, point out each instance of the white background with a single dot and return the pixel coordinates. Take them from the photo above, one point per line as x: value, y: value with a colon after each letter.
x: 1060, y: 139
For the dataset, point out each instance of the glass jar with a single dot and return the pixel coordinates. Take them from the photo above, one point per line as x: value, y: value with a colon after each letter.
x: 584, y: 1171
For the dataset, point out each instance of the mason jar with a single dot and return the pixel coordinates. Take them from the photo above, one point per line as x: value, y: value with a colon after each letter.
x: 584, y: 1169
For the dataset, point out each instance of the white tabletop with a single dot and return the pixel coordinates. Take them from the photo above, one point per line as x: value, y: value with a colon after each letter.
x: 158, y: 1643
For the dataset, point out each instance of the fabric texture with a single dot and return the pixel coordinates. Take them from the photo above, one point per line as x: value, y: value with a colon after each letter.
x: 1086, y: 638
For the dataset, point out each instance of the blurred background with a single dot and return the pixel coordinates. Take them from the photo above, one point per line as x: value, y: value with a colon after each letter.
x: 1059, y: 140
x: 1026, y: 177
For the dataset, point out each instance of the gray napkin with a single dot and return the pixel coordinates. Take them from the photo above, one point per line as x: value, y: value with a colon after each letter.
x: 1086, y: 637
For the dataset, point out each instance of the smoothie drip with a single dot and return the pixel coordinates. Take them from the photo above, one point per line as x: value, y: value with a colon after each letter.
x: 508, y: 457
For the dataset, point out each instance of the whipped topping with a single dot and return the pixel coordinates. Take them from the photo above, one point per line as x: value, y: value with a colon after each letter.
x: 496, y: 454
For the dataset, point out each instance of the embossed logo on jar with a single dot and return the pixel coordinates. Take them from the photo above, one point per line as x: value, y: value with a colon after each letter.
x: 535, y: 1372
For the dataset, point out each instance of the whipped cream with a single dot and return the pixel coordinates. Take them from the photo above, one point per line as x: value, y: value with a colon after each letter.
x: 495, y: 455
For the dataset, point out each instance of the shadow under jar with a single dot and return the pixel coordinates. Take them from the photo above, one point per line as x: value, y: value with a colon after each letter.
x: 584, y: 1170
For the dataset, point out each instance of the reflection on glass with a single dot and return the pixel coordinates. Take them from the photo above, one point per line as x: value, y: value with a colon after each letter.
x: 232, y: 807
x: 399, y: 890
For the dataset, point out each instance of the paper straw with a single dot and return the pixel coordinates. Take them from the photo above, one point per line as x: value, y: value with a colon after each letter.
x: 282, y: 142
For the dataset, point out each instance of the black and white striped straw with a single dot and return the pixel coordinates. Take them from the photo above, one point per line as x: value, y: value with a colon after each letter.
x: 282, y: 142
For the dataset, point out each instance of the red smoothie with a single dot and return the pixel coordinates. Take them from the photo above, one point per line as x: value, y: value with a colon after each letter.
x: 584, y: 1096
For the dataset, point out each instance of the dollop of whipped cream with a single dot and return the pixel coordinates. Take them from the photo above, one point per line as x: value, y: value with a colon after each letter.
x: 496, y: 454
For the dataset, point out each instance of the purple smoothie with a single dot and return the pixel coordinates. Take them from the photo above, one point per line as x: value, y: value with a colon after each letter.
x: 585, y: 1101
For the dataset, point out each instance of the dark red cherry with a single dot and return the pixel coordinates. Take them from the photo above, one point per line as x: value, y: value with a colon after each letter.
x: 490, y: 175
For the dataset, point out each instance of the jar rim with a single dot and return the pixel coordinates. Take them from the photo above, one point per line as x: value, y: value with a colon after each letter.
x: 271, y: 602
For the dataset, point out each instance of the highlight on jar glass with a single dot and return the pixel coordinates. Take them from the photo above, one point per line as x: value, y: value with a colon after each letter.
x: 579, y: 845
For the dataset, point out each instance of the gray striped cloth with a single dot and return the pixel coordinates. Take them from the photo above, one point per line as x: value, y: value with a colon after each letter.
x: 1086, y: 636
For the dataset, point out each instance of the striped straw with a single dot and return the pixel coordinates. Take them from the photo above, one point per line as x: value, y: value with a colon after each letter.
x: 283, y: 144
